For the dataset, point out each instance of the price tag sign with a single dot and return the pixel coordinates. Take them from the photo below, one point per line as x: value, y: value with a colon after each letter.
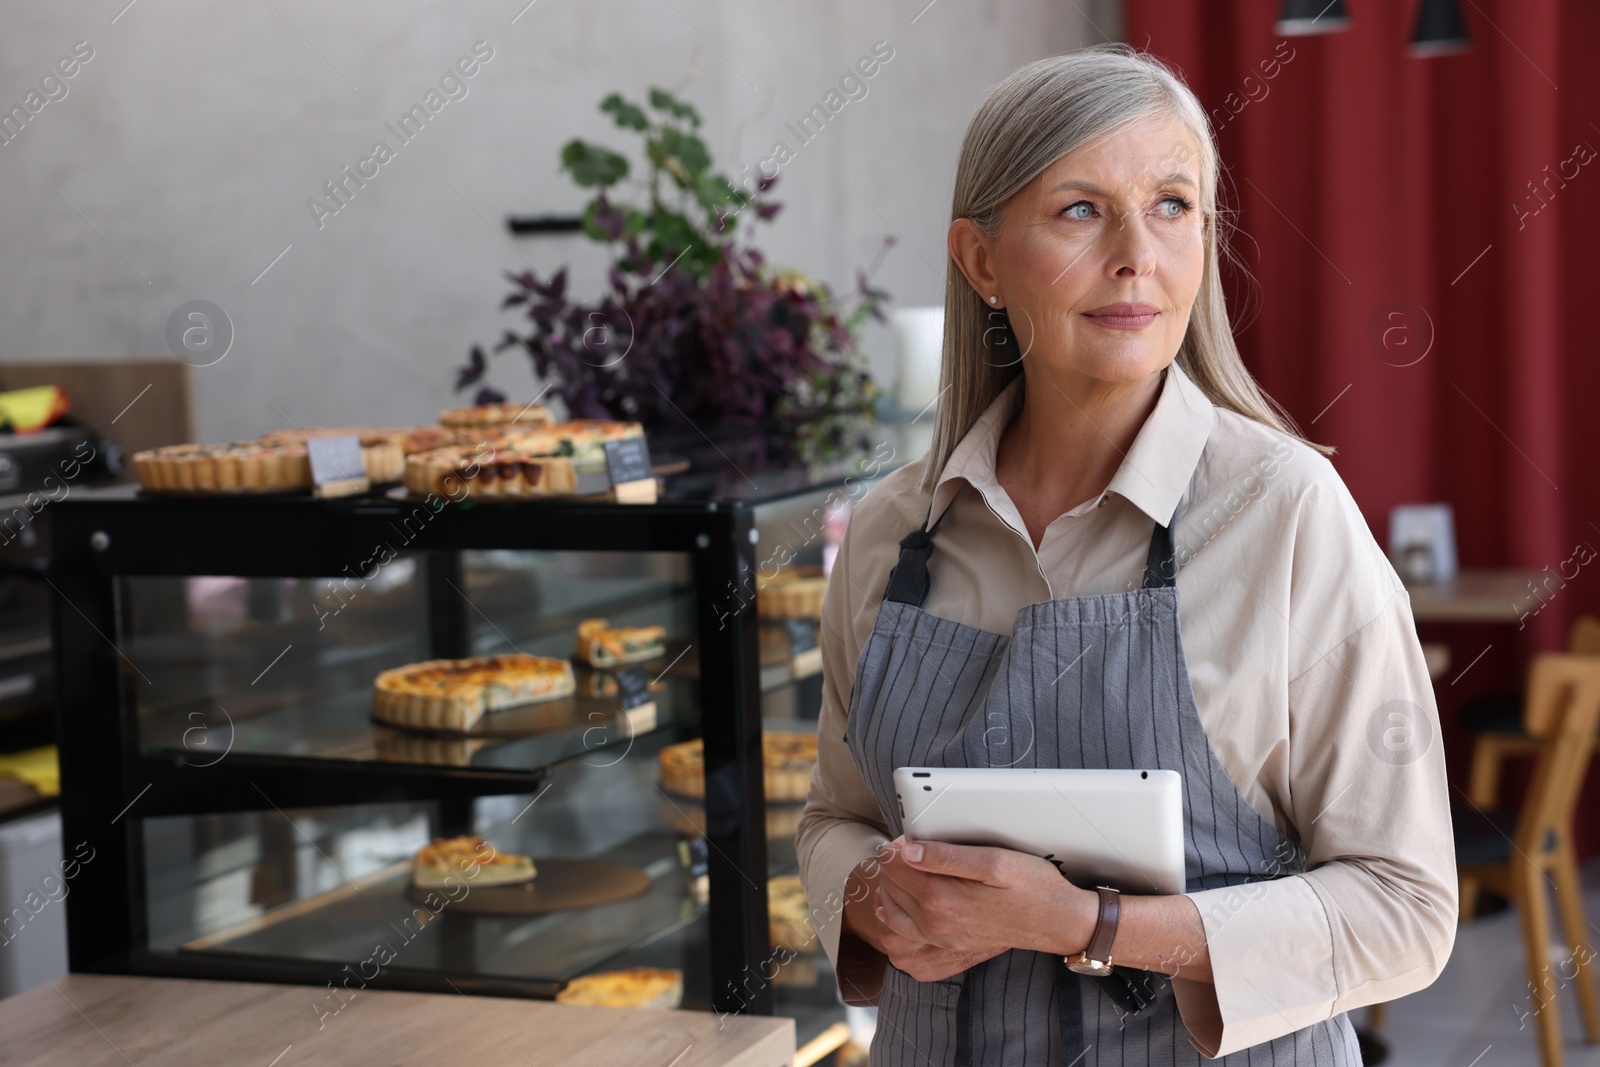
x: 333, y: 459
x: 633, y: 689
x: 628, y: 460
x: 802, y: 635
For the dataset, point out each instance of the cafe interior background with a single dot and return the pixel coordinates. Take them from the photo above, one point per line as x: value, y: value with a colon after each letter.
x: 202, y: 242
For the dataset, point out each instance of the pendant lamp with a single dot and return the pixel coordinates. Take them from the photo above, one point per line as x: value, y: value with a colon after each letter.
x: 1440, y: 29
x: 1303, y: 17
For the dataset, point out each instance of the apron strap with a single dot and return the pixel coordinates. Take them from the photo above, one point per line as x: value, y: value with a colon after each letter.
x: 1161, y: 565
x: 908, y: 582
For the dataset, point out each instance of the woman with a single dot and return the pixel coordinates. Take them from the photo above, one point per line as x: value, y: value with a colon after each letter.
x: 1118, y: 554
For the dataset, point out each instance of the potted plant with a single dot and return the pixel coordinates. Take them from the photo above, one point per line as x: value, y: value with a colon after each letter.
x: 696, y: 331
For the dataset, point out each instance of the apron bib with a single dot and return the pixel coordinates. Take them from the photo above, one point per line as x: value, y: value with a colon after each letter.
x: 1087, y: 681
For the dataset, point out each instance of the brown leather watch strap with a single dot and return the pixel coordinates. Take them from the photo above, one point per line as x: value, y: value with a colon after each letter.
x: 1105, y: 928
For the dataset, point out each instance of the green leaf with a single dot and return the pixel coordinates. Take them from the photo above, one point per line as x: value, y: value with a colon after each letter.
x: 628, y: 116
x: 689, y: 151
x: 592, y: 165
x: 662, y: 100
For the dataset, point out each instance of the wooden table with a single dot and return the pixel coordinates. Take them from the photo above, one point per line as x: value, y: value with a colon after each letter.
x: 89, y: 1020
x: 1475, y: 596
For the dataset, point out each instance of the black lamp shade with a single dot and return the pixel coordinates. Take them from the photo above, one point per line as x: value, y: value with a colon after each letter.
x: 1440, y: 29
x: 1303, y: 17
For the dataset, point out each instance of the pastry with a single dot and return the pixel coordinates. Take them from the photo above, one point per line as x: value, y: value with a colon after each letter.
x: 789, y: 915
x: 453, y: 694
x: 491, y: 416
x: 250, y: 466
x: 583, y: 440
x: 786, y: 757
x: 409, y: 438
x: 469, y: 860
x: 600, y: 645
x: 791, y: 594
x: 638, y: 987
x: 489, y: 472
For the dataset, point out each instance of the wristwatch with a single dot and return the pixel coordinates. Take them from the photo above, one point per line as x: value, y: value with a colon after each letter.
x: 1095, y: 959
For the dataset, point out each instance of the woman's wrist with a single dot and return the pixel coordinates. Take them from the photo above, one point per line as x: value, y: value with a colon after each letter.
x: 1076, y: 911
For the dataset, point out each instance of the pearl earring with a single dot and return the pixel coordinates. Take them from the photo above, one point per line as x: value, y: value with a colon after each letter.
x: 994, y: 300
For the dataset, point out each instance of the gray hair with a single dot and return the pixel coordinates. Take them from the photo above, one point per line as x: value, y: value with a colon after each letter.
x: 1023, y: 125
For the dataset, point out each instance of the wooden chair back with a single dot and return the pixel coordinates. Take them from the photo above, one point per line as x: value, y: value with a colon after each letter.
x: 1584, y: 637
x: 1562, y: 711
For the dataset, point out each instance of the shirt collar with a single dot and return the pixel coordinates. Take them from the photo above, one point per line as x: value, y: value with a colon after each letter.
x: 1153, y: 476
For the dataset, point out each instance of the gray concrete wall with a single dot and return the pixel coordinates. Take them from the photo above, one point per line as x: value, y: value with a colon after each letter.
x: 177, y: 162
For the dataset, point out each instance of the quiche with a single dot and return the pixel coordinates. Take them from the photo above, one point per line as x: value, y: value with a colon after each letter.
x: 467, y: 859
x: 454, y: 694
x: 506, y: 472
x: 252, y: 466
x: 789, y: 914
x: 791, y: 595
x: 409, y: 438
x: 638, y: 987
x: 583, y: 440
x: 603, y: 645
x: 493, y: 416
x: 786, y: 757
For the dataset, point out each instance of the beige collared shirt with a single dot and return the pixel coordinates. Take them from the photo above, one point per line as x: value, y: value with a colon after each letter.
x: 1306, y: 670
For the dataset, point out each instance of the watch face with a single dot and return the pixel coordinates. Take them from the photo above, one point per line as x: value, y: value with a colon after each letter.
x: 1090, y: 967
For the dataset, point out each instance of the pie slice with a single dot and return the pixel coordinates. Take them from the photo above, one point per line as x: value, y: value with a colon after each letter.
x: 602, y: 645
x: 467, y: 859
x: 639, y: 987
x: 454, y: 694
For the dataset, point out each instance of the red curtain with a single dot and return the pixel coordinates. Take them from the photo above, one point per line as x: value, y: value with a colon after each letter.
x: 1388, y: 205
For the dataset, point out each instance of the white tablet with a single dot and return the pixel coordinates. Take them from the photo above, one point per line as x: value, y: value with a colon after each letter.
x: 1117, y: 828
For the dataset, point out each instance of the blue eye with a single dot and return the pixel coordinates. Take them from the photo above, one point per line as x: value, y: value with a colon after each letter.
x: 1070, y: 210
x: 1182, y: 206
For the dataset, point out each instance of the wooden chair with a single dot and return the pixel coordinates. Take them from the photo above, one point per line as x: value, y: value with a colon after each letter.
x: 1497, y: 721
x: 1517, y: 854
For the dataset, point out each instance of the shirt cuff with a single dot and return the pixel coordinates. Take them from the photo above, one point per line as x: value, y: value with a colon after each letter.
x: 857, y: 966
x: 1271, y: 963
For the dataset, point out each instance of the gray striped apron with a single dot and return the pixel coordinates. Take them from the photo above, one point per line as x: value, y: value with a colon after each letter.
x: 1086, y: 681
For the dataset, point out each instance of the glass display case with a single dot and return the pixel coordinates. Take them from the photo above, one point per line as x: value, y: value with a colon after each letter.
x: 245, y: 815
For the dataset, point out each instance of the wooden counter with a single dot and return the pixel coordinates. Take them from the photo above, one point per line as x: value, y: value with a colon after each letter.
x: 89, y: 1020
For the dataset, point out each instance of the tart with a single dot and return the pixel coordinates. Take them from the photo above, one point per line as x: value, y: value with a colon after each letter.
x: 791, y: 594
x: 251, y: 466
x: 493, y: 416
x: 649, y: 988
x: 582, y: 440
x: 786, y: 757
x: 467, y: 859
x: 454, y: 694
x: 409, y: 438
x: 504, y: 472
x: 789, y: 915
x: 601, y: 645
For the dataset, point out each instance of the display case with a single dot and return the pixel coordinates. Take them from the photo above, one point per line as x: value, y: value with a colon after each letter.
x: 237, y: 812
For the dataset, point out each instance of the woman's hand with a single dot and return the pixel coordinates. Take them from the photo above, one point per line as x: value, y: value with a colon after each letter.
x: 910, y: 952
x: 960, y: 901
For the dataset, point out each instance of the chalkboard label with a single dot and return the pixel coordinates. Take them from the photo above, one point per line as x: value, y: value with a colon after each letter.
x: 628, y: 460
x: 633, y: 689
x: 802, y: 635
x: 335, y: 459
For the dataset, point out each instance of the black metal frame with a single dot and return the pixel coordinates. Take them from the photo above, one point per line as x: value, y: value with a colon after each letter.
x: 108, y: 784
